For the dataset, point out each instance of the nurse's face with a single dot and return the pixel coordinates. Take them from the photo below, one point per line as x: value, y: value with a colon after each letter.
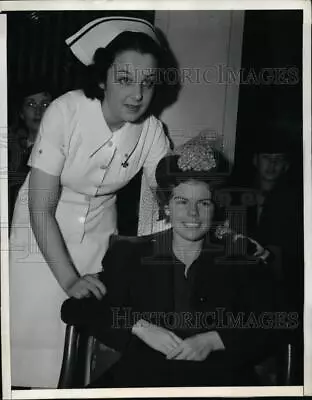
x: 129, y: 88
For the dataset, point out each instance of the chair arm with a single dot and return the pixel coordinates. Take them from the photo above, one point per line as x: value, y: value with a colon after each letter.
x: 292, y: 362
x: 287, y: 366
x: 70, y: 356
x: 76, y: 364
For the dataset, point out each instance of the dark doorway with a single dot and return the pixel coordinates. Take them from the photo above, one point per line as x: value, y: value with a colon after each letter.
x: 270, y: 107
x: 270, y: 98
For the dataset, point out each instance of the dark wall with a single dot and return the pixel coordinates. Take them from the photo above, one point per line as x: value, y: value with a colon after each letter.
x: 36, y: 43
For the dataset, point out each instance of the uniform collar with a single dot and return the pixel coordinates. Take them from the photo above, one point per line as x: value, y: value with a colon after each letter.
x: 99, y: 134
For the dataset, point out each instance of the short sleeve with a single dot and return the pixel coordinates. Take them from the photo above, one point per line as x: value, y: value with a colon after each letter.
x: 159, y: 148
x: 48, y: 152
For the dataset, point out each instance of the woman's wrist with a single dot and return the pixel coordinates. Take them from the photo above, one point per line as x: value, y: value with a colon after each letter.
x: 66, y: 282
x: 139, y: 326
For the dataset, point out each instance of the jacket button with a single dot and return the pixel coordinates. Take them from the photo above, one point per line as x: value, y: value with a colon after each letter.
x: 110, y: 143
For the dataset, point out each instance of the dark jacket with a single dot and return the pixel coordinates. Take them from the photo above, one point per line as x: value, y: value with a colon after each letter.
x: 236, y: 297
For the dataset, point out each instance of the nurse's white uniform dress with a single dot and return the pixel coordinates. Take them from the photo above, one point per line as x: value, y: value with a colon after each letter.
x: 75, y: 143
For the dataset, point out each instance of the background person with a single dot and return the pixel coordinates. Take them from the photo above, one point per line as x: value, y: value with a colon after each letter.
x: 275, y: 216
x: 33, y: 99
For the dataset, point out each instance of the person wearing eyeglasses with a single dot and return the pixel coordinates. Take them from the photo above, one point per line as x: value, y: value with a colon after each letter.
x: 35, y: 98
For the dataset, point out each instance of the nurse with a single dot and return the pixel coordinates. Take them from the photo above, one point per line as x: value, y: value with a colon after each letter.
x: 91, y: 142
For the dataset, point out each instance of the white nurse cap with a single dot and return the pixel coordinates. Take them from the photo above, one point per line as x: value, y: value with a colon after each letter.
x: 101, y: 31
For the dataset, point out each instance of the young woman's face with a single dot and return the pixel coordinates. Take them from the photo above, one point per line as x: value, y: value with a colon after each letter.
x: 191, y: 210
x: 129, y: 88
x: 33, y: 109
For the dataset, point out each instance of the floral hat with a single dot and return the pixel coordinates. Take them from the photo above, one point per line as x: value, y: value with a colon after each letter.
x: 196, y: 159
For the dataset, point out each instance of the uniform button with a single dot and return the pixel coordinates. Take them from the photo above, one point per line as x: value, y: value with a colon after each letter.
x: 110, y: 143
x: 82, y: 220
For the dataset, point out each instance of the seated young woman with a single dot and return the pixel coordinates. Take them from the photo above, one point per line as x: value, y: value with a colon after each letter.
x: 179, y: 308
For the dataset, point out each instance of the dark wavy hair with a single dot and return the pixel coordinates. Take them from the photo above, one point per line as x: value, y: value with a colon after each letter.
x: 104, y: 58
x: 169, y: 175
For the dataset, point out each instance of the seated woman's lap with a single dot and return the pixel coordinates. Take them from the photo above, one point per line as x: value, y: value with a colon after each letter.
x: 152, y: 369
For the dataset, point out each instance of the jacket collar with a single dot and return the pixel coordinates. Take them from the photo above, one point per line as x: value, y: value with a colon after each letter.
x: 162, y: 242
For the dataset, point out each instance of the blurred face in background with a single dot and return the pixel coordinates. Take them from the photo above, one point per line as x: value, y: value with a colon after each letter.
x: 271, y: 166
x: 33, y: 109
